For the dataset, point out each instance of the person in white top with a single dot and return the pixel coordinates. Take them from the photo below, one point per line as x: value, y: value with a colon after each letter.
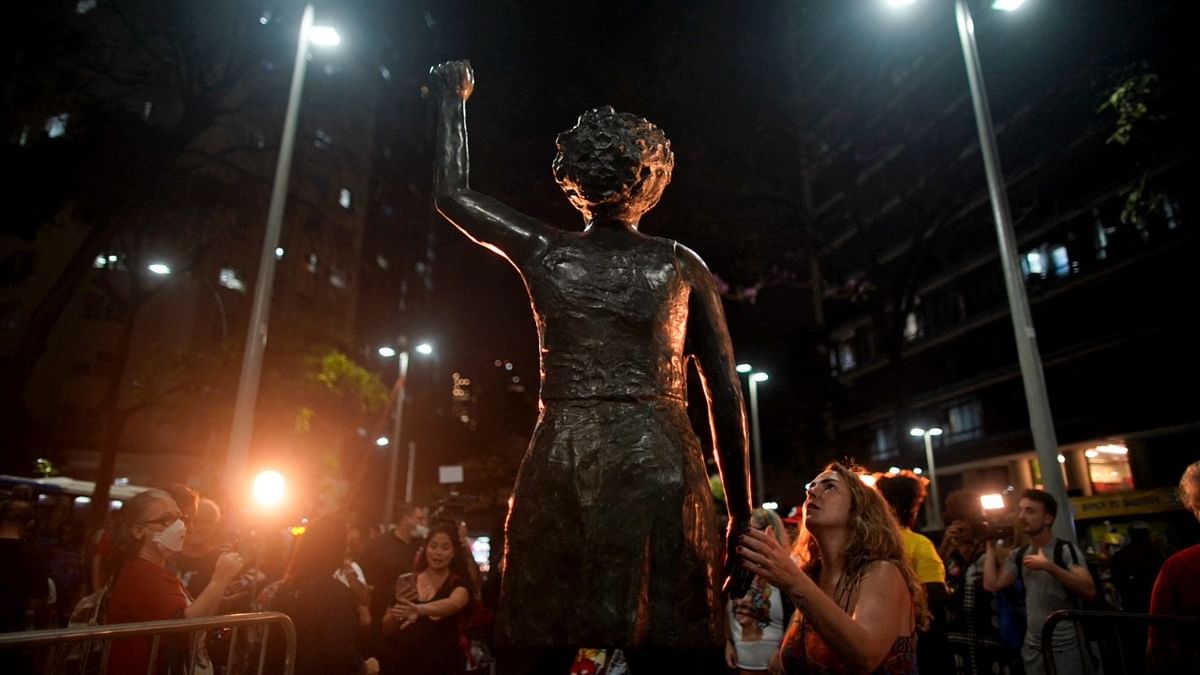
x: 758, y: 620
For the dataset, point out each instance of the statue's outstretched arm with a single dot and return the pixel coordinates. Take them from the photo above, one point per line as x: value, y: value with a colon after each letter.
x: 709, y: 343
x: 483, y: 219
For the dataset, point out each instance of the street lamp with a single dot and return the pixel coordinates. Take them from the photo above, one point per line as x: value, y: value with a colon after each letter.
x: 401, y: 352
x: 1041, y: 423
x: 756, y: 439
x: 935, y: 511
x: 260, y: 313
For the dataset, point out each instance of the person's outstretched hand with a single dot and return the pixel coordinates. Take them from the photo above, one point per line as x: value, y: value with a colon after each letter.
x: 453, y: 78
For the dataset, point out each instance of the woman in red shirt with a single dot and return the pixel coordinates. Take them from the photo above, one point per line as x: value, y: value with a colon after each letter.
x: 150, y: 530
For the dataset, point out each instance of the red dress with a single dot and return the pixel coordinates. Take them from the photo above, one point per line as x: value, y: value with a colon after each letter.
x: 143, y: 591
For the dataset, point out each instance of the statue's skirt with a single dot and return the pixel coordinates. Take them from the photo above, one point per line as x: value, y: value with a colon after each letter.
x: 612, y: 537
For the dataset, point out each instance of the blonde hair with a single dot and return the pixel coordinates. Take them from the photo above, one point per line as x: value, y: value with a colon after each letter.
x: 874, y: 537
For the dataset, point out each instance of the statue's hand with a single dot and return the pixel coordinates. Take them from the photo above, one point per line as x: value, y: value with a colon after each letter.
x: 453, y: 78
x: 737, y: 577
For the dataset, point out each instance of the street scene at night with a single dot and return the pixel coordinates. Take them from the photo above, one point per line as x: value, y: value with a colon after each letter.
x: 599, y: 338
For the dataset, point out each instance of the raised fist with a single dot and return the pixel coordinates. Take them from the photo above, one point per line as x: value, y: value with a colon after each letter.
x: 453, y: 78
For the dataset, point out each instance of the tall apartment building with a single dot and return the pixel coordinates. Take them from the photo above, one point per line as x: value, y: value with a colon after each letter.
x: 211, y: 248
x: 919, y: 333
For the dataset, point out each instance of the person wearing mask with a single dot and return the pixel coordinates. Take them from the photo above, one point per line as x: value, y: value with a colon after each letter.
x: 149, y: 532
x: 859, y: 604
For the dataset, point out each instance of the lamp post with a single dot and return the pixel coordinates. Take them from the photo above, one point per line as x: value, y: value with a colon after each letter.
x: 935, y: 511
x: 260, y: 313
x: 401, y: 354
x: 754, y: 377
x: 1041, y: 423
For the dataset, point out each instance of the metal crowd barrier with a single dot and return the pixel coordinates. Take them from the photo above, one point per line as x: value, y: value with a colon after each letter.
x: 84, y: 640
x: 1116, y: 639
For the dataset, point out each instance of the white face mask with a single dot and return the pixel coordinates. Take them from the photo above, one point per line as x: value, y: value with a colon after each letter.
x: 420, y: 531
x: 172, y: 537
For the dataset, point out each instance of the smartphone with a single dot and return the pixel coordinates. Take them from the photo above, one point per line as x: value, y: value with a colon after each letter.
x: 406, y: 586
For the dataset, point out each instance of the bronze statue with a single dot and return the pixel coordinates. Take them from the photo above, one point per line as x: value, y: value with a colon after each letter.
x: 611, y: 537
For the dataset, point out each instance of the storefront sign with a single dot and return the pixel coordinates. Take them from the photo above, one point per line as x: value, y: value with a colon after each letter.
x: 1126, y: 503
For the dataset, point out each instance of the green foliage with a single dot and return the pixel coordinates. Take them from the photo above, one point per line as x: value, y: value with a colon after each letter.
x: 1139, y: 203
x: 45, y: 467
x: 1129, y: 100
x: 340, y: 378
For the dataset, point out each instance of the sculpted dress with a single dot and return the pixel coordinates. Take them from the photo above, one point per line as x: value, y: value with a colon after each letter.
x: 612, y: 537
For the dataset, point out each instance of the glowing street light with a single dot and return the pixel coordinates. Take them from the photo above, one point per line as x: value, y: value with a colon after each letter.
x: 260, y: 312
x: 1041, y: 423
x: 935, y: 509
x: 269, y: 488
x: 160, y: 269
x: 756, y: 438
x: 400, y: 351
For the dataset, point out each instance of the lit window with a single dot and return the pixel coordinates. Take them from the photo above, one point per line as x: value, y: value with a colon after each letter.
x: 884, y: 445
x: 106, y: 262
x: 846, y: 359
x: 147, y: 109
x: 912, y: 327
x: 85, y: 6
x: 57, y: 126
x: 344, y: 198
x: 1061, y: 260
x: 1034, y: 264
x: 1108, y: 468
x: 966, y: 421
x: 337, y: 280
x: 228, y: 277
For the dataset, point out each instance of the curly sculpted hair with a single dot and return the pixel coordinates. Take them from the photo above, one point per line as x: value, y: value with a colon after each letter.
x: 613, y: 164
x: 874, y: 537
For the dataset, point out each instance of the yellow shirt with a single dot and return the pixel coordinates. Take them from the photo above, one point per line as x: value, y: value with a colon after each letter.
x: 923, y: 557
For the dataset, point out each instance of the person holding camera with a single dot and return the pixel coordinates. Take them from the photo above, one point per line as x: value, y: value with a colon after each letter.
x: 973, y: 631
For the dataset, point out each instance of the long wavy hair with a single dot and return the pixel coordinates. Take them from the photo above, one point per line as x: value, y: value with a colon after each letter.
x: 874, y: 537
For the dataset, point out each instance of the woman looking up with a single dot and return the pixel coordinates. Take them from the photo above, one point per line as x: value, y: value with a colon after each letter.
x: 859, y: 604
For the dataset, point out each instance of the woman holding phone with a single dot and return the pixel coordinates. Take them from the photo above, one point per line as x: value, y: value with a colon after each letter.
x: 423, y: 625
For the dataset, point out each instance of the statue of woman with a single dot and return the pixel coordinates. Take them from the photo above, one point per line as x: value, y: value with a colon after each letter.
x: 612, y: 536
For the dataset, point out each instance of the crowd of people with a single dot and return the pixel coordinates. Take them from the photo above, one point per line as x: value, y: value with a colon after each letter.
x: 853, y: 589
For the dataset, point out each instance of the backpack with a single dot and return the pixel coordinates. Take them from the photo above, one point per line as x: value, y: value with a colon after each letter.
x: 1091, y: 640
x: 1097, y: 604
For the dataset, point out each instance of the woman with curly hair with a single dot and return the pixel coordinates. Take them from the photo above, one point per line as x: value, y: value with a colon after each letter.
x: 859, y: 603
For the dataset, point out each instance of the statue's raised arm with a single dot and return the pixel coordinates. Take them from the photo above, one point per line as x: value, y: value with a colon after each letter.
x: 485, y: 220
